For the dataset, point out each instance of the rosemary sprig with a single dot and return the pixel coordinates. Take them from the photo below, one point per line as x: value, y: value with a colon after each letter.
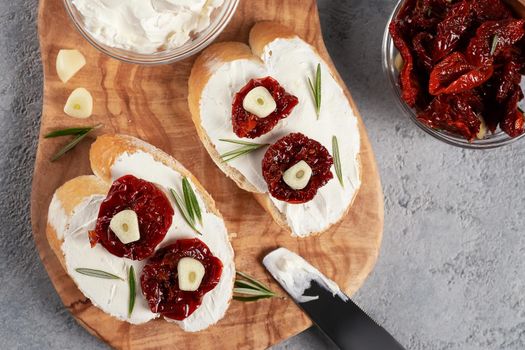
x: 70, y: 131
x: 316, y: 89
x: 192, y: 205
x: 247, y: 288
x: 98, y: 273
x: 495, y: 40
x: 80, y: 135
x: 182, y: 208
x: 131, y: 281
x: 337, y: 160
x: 247, y: 147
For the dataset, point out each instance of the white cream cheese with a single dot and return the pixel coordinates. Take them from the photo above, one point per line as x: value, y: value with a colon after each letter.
x: 296, y: 275
x: 291, y: 62
x: 145, y: 26
x: 112, y: 295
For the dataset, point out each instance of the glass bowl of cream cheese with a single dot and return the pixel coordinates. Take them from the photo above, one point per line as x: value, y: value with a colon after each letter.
x: 150, y: 31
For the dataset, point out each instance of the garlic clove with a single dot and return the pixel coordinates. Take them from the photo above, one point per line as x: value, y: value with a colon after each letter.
x: 68, y: 63
x: 79, y: 104
x: 190, y: 273
x: 125, y: 225
x: 482, y: 129
x: 298, y: 176
x: 259, y: 102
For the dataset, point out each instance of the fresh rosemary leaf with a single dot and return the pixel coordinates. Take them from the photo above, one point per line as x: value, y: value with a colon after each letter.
x: 247, y: 147
x: 251, y: 291
x: 182, y: 208
x: 252, y: 280
x: 239, y: 142
x: 495, y: 40
x: 315, y: 87
x: 252, y: 298
x: 337, y: 160
x: 73, y: 143
x: 98, y: 273
x: 192, y: 204
x: 131, y: 281
x: 247, y: 288
x: 71, y: 131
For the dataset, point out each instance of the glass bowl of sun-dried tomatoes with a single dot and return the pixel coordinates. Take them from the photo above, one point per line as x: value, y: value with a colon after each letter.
x: 455, y: 67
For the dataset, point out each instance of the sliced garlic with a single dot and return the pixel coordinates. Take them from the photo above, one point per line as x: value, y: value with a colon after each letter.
x: 298, y: 176
x: 68, y: 63
x: 260, y: 102
x: 79, y: 104
x: 125, y: 225
x: 190, y: 273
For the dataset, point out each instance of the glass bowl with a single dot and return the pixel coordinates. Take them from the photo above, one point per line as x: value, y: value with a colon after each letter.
x: 220, y: 18
x: 498, y: 139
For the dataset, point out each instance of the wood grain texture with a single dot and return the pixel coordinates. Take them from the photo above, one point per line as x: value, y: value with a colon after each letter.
x: 151, y: 103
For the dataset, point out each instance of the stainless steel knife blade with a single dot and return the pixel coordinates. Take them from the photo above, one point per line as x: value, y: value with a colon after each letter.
x: 338, y: 317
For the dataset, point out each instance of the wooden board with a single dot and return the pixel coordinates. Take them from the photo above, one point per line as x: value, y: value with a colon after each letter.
x: 150, y: 102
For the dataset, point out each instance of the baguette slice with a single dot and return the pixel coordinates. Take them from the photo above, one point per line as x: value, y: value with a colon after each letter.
x: 262, y: 36
x: 73, y: 212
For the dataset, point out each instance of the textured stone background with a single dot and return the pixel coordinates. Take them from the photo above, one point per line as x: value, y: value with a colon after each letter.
x: 451, y: 273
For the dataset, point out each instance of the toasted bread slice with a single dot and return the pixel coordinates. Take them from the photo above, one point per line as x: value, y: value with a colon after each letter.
x: 74, y: 209
x: 258, y: 54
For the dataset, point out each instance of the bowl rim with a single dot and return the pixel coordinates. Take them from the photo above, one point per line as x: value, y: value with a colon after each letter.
x: 190, y: 48
x: 497, y: 139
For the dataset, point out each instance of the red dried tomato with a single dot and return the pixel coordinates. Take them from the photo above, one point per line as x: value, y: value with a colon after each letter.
x: 452, y: 29
x: 153, y: 210
x: 287, y: 152
x: 489, y: 10
x: 509, y: 81
x: 407, y: 77
x: 477, y: 62
x: 420, y: 43
x: 455, y: 113
x: 513, y: 121
x: 503, y: 33
x: 160, y: 284
x: 454, y: 74
x: 249, y: 125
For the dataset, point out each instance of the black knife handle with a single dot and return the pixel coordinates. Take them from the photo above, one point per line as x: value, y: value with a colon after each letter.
x: 349, y: 327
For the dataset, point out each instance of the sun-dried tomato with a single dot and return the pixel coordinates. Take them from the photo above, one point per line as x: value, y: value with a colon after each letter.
x: 249, y: 125
x: 477, y: 51
x: 455, y: 113
x: 513, y: 122
x: 153, y: 209
x: 287, y: 152
x: 509, y: 81
x: 454, y: 74
x: 407, y: 77
x: 490, y: 10
x: 159, y: 278
x: 501, y: 34
x: 452, y: 29
x: 420, y: 43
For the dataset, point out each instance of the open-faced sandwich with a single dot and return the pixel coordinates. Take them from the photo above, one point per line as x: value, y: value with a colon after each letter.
x: 274, y: 119
x: 141, y: 238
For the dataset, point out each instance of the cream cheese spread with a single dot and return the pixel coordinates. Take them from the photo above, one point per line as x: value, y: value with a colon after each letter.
x: 112, y: 295
x: 145, y: 26
x: 290, y: 62
x: 295, y: 275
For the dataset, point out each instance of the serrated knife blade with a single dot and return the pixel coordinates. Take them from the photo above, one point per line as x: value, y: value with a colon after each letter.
x: 338, y: 317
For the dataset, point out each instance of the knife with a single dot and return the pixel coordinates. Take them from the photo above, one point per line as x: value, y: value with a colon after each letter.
x: 338, y: 317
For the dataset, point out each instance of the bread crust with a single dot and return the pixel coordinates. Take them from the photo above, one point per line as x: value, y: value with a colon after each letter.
x: 261, y: 34
x: 103, y: 154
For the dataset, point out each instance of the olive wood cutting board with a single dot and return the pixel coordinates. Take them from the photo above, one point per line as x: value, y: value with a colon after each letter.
x: 151, y: 103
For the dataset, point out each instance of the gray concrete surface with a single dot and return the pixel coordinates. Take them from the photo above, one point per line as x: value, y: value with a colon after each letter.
x: 451, y: 273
